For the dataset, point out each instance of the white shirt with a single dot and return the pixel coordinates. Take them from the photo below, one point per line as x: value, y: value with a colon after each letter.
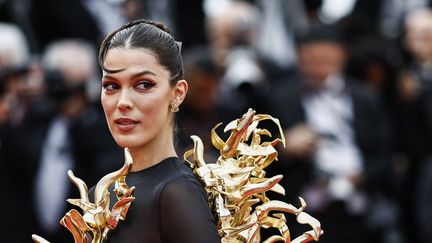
x: 51, y: 180
x: 329, y: 112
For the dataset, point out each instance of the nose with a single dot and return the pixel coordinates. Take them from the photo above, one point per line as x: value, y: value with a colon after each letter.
x: 125, y: 102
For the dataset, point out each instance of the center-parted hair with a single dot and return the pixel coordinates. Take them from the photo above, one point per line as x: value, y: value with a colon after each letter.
x: 148, y: 35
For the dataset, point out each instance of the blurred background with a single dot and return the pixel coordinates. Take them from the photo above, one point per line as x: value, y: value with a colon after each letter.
x: 350, y: 81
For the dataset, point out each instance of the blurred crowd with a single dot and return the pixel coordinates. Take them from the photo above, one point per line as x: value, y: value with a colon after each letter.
x: 350, y: 81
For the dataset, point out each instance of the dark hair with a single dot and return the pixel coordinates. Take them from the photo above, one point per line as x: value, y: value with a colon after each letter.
x: 320, y: 33
x: 148, y: 35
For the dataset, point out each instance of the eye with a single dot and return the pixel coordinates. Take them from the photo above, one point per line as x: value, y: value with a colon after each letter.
x: 144, y: 85
x: 110, y: 86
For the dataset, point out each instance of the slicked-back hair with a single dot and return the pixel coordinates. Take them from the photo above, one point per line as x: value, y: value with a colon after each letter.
x: 151, y: 36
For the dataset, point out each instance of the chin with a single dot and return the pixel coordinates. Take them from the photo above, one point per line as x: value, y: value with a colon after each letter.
x: 128, y: 142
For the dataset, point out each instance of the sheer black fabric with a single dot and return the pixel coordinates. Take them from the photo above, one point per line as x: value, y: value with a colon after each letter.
x: 170, y: 206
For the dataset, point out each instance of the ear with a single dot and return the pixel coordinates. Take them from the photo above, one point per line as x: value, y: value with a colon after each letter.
x: 180, y: 90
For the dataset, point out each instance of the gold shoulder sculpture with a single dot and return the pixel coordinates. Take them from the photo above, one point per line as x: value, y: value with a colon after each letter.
x: 236, y: 184
x: 236, y: 187
x: 97, y: 219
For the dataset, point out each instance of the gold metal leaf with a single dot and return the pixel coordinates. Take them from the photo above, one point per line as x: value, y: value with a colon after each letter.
x: 237, y: 186
x: 97, y: 220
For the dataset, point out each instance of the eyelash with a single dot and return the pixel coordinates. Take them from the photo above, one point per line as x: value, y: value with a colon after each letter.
x: 145, y: 83
x: 106, y: 86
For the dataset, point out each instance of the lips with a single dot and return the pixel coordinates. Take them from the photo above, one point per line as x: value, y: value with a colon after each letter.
x: 125, y: 124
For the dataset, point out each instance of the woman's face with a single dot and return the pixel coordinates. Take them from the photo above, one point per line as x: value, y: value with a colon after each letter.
x: 136, y: 97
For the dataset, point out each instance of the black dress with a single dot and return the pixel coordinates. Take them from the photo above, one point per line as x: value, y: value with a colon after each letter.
x: 170, y: 206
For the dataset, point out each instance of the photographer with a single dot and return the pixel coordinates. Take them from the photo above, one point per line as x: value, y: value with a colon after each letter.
x: 74, y: 138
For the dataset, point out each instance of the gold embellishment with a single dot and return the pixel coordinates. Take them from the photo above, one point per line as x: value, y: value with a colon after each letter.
x: 236, y: 183
x: 97, y: 219
x: 174, y: 108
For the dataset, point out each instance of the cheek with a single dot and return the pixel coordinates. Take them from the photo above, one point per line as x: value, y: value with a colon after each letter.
x: 154, y: 109
x: 108, y: 105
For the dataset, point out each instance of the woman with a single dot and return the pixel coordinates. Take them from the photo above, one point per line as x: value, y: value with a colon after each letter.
x: 143, y: 87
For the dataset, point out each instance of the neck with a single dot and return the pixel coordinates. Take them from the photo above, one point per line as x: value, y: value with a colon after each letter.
x: 153, y: 152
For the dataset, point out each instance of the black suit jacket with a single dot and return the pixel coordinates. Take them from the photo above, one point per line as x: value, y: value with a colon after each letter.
x: 369, y: 125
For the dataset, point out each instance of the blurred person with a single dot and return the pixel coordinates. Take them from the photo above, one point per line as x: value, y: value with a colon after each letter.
x: 60, y: 130
x: 375, y: 61
x: 15, y: 61
x: 232, y: 35
x: 14, y: 75
x: 17, y: 13
x: 414, y: 121
x: 336, y: 138
x: 392, y: 13
x: 235, y: 25
x: 275, y: 40
x: 67, y: 66
x: 418, y: 35
x: 201, y: 111
x: 381, y: 16
x: 14, y: 50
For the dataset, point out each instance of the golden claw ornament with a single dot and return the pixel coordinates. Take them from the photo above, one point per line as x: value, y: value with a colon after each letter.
x: 97, y: 219
x: 236, y: 184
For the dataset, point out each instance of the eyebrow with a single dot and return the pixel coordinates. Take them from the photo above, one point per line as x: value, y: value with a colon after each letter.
x: 145, y: 72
